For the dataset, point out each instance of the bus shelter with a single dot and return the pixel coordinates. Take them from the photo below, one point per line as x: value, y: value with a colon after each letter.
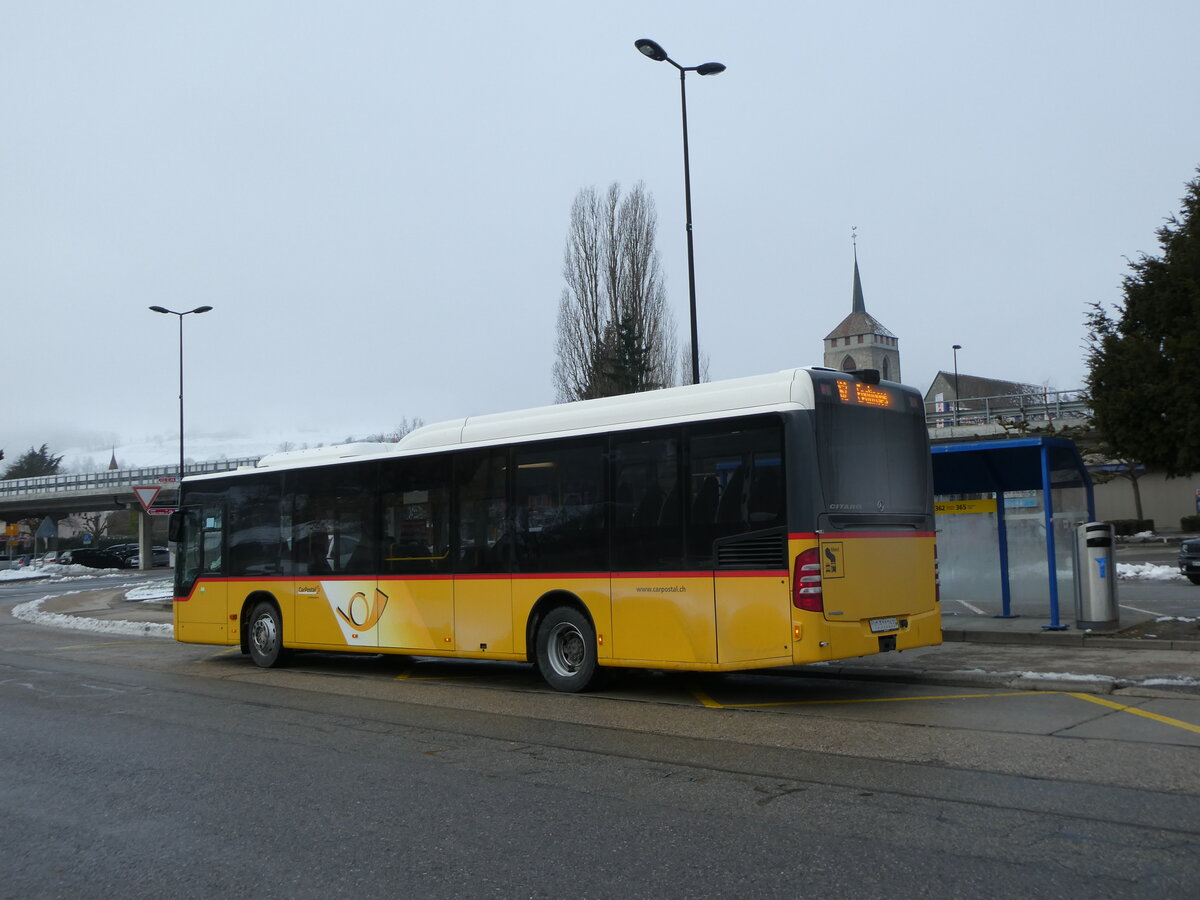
x: 1018, y: 501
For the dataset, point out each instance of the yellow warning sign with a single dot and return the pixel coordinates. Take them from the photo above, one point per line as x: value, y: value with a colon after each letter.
x: 832, y: 560
x: 964, y: 506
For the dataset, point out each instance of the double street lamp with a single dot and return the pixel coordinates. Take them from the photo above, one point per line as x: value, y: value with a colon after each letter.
x: 165, y: 311
x: 654, y: 51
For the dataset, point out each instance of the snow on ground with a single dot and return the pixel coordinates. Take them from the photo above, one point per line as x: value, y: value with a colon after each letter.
x: 1148, y: 572
x: 150, y: 591
x: 56, y: 574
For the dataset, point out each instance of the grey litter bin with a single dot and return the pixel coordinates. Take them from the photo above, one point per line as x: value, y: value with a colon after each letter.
x: 1096, y: 577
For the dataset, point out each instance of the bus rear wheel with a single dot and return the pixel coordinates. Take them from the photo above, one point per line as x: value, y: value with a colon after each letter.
x: 566, y: 650
x: 264, y: 634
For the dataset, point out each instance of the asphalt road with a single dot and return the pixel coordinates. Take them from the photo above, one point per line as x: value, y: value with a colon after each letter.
x: 145, y: 768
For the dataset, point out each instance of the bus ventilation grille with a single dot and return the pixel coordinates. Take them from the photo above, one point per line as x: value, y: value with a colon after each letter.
x: 753, y: 551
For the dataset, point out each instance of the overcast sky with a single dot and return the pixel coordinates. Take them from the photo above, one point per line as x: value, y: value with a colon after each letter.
x: 374, y: 196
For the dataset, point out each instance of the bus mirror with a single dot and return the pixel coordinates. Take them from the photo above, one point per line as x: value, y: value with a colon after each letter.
x: 175, y: 526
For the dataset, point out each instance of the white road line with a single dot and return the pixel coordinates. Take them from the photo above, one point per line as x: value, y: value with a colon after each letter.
x: 1148, y: 612
x: 974, y: 609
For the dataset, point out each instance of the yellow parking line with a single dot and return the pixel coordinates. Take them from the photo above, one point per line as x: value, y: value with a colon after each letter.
x: 216, y: 656
x: 1121, y: 707
x: 709, y: 702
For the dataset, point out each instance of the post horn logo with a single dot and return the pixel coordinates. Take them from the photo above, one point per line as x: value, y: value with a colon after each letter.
x: 363, y: 615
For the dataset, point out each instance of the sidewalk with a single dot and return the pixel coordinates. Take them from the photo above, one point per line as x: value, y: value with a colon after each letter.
x: 979, y: 651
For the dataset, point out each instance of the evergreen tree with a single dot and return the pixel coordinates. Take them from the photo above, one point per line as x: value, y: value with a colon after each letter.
x: 33, y: 463
x: 1141, y: 362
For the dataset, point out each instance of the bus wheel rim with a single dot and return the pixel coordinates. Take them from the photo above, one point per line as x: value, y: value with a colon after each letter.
x: 567, y: 649
x: 264, y: 633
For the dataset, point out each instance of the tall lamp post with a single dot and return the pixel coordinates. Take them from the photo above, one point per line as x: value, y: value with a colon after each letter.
x: 956, y: 348
x: 655, y: 52
x: 164, y: 310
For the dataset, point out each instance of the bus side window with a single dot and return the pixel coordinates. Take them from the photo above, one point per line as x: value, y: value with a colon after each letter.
x: 737, y: 483
x: 649, y: 522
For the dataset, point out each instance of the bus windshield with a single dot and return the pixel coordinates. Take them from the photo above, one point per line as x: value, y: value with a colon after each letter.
x: 873, y: 451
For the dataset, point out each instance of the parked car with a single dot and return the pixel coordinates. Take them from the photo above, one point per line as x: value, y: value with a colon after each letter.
x: 47, y: 559
x: 97, y: 559
x: 1189, y: 560
x: 161, y: 557
x: 64, y: 557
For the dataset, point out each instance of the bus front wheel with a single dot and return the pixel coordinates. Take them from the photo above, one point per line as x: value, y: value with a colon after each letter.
x: 566, y: 650
x: 265, y: 636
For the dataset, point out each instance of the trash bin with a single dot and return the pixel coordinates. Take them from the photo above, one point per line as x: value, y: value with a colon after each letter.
x: 1096, y: 577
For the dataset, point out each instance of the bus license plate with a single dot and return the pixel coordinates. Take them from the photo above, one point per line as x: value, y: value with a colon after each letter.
x: 889, y: 624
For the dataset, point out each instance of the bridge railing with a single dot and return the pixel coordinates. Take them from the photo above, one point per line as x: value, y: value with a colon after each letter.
x: 50, y: 484
x: 1046, y: 406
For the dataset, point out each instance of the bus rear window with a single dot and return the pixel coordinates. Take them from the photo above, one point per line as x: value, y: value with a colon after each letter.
x: 873, y: 459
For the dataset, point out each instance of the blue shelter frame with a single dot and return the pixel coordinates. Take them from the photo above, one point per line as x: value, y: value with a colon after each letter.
x: 1020, y: 464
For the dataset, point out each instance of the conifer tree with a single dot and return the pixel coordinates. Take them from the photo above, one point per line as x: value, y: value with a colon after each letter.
x: 33, y: 463
x: 1143, y: 360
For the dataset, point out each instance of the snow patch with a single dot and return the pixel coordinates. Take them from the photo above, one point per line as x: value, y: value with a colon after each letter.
x: 1148, y: 572
x: 33, y: 613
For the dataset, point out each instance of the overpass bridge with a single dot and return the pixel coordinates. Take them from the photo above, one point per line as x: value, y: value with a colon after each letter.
x: 975, y: 418
x: 61, y: 495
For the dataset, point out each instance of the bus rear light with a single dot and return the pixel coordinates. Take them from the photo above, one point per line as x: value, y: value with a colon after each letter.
x: 806, y: 582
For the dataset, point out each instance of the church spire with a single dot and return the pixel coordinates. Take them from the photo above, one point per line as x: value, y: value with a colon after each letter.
x: 858, y: 305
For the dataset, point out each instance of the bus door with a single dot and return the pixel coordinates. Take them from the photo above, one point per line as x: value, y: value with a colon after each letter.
x: 200, y: 591
x: 336, y: 596
x: 483, y: 619
x: 415, y: 584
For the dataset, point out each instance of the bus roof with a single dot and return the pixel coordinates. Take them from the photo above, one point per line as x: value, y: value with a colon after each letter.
x: 789, y: 389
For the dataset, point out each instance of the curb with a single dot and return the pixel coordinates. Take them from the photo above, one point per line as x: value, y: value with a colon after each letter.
x: 976, y: 678
x: 1064, y: 639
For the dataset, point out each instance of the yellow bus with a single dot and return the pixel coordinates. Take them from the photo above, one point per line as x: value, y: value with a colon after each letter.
x: 760, y: 522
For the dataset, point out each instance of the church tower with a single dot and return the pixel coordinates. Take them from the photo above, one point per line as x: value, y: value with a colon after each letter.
x: 861, y: 342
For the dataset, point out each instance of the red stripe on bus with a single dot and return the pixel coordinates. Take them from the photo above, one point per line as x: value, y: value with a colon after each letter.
x: 849, y: 535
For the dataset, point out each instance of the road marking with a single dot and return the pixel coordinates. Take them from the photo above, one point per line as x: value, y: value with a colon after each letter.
x: 102, y: 643
x: 1148, y: 612
x: 1121, y: 707
x: 709, y: 702
x: 974, y: 609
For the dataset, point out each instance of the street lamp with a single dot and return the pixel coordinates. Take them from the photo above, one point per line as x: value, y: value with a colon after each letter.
x: 654, y: 51
x: 956, y: 348
x: 164, y: 310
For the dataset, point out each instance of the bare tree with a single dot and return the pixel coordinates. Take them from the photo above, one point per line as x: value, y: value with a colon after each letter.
x: 684, y: 365
x: 93, y: 523
x: 615, y: 332
x: 391, y: 437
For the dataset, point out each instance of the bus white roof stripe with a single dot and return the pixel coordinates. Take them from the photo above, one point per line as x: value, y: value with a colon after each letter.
x: 791, y: 388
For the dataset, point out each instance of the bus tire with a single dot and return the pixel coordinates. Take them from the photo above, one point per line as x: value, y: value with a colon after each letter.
x: 566, y: 650
x: 264, y: 636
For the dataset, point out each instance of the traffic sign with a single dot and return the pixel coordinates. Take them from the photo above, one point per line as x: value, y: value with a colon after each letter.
x: 161, y: 510
x: 146, y: 496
